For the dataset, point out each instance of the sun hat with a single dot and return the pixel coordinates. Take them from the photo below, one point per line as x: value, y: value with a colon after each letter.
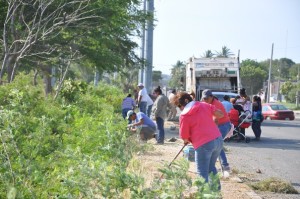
x: 140, y: 84
x: 129, y: 113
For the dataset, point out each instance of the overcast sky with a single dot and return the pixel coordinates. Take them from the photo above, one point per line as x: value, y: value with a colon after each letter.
x: 186, y: 28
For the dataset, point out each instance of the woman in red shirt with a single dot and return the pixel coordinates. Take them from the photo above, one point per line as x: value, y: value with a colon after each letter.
x: 223, y: 123
x: 197, y: 127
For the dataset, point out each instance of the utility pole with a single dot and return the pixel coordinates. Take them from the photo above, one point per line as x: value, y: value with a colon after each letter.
x: 142, y: 69
x: 149, y: 48
x: 269, y: 80
x: 278, y: 88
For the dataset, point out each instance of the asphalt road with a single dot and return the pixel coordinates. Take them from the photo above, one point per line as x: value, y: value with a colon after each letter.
x: 277, y: 154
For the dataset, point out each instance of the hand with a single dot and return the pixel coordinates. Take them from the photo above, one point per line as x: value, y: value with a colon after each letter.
x: 186, y: 141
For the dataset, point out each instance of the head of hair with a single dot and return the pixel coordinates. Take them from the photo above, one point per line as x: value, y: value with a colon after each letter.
x: 226, y: 98
x: 129, y: 95
x: 158, y: 90
x: 193, y: 95
x: 173, y: 91
x: 182, y: 99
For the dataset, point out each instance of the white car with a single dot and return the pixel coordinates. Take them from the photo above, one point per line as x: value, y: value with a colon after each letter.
x: 220, y: 95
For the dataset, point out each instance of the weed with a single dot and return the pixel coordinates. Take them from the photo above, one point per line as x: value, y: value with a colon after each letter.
x: 275, y: 185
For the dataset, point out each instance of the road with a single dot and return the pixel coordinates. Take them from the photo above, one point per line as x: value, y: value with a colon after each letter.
x: 276, y: 155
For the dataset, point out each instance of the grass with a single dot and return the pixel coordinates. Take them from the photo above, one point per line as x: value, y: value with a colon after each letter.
x: 291, y: 106
x: 274, y: 185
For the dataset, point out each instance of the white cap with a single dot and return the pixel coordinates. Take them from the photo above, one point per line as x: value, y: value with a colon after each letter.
x: 140, y: 84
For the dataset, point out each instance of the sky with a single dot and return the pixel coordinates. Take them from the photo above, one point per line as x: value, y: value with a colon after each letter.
x: 186, y: 28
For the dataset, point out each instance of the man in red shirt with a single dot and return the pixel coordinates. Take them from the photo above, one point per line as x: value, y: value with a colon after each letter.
x: 223, y: 123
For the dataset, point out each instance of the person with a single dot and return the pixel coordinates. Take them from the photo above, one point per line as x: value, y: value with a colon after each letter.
x: 141, y: 123
x: 142, y: 98
x: 149, y: 105
x: 244, y: 101
x: 159, y: 112
x: 226, y: 103
x: 127, y: 104
x: 173, y: 111
x: 236, y: 106
x: 136, y: 95
x: 197, y: 127
x: 256, y: 117
x: 223, y: 123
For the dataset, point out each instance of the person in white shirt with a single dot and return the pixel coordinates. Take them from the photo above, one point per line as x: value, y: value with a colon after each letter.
x: 173, y: 111
x: 142, y: 98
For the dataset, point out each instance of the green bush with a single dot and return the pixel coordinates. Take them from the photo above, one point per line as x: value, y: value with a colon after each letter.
x: 74, y: 147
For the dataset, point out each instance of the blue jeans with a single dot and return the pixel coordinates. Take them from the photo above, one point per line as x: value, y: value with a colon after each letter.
x: 206, y: 157
x: 161, y: 131
x: 224, y: 129
x: 149, y: 110
x: 143, y: 107
x: 124, y: 112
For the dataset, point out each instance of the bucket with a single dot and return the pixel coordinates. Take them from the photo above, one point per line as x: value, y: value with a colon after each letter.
x: 189, y: 153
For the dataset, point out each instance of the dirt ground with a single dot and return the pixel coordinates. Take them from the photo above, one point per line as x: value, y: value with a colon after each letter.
x: 232, y: 187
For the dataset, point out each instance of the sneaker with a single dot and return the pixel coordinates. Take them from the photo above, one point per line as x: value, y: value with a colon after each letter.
x: 159, y: 143
x: 226, y: 168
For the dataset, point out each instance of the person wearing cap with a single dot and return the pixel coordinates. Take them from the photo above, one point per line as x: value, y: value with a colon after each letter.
x: 226, y: 103
x: 142, y: 124
x: 142, y: 98
x: 223, y: 123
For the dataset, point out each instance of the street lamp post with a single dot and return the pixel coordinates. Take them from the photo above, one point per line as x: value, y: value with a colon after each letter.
x: 269, y: 80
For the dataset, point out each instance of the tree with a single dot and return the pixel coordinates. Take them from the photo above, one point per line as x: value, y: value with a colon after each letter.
x: 177, y: 80
x: 285, y: 90
x: 208, y: 54
x: 252, y: 78
x: 225, y: 52
x: 156, y: 77
x: 46, y: 34
x: 294, y: 72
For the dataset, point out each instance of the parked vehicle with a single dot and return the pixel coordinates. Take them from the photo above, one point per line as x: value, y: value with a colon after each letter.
x: 275, y: 111
x: 220, y: 95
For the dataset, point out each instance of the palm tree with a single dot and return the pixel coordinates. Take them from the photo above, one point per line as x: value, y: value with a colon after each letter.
x: 208, y: 54
x: 178, y: 76
x: 224, y: 53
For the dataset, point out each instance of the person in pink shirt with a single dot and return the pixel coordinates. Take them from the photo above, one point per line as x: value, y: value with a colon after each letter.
x: 198, y: 127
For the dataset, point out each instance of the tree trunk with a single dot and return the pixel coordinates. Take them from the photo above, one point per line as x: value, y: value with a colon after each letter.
x: 46, y: 70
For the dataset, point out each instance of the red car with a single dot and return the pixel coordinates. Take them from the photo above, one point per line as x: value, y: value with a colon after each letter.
x: 274, y: 111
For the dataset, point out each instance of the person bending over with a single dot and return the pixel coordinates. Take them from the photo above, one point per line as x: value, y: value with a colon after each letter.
x: 141, y: 124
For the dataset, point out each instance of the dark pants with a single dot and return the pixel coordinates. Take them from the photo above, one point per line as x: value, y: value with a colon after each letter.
x: 256, y: 128
x: 161, y: 131
x: 143, y: 107
x: 149, y: 108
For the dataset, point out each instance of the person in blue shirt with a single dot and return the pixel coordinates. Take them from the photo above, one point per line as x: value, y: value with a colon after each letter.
x: 227, y: 104
x: 142, y: 124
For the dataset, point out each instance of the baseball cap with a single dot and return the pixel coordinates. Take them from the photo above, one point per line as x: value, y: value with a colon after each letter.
x: 140, y: 84
x: 206, y: 93
x: 129, y: 113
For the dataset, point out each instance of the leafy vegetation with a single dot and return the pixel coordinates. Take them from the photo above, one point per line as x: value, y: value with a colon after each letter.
x: 76, y: 146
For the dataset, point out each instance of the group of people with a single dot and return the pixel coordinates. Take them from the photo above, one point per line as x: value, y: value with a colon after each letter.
x: 150, y: 111
x: 206, y: 123
x: 203, y: 123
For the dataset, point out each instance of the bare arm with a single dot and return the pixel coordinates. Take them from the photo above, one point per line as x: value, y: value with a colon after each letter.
x: 218, y: 114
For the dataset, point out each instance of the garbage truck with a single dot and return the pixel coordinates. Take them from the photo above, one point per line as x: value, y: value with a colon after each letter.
x: 218, y: 74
